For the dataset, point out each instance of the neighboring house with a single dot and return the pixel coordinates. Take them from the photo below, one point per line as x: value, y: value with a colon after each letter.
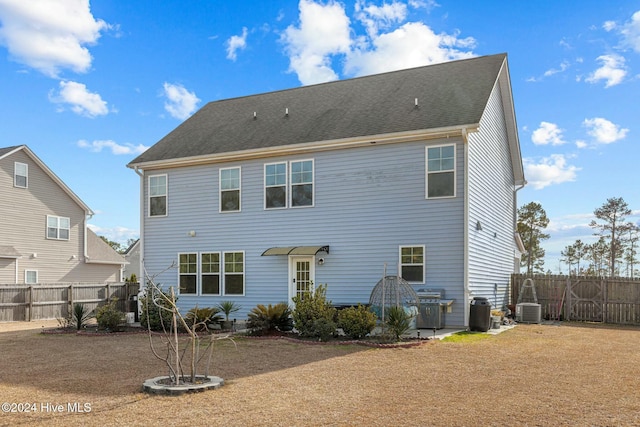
x: 132, y: 256
x: 44, y: 236
x: 413, y: 172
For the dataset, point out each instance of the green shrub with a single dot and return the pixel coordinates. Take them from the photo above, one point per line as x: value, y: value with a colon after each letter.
x: 313, y: 315
x: 201, y: 317
x: 77, y: 318
x: 152, y: 316
x: 356, y: 322
x: 268, y: 319
x: 109, y: 317
x: 398, y: 321
x: 228, y: 307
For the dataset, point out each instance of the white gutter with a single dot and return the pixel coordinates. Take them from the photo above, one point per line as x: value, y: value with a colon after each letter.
x: 306, y: 147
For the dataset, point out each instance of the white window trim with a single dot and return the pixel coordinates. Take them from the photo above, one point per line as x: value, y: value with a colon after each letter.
x: 313, y: 184
x: 197, y: 274
x: 223, y: 282
x: 239, y: 189
x: 426, y: 168
x: 286, y: 186
x: 166, y: 195
x: 58, y: 218
x: 26, y: 275
x: 200, y: 291
x: 424, y: 261
x: 15, y: 174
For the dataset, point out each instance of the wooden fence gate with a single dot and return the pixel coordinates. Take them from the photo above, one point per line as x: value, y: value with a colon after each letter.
x: 584, y: 298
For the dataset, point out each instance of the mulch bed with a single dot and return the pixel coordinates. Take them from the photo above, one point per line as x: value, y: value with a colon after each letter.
x: 287, y: 336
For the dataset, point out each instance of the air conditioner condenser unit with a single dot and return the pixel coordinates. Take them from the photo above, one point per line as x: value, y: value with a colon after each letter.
x: 528, y: 312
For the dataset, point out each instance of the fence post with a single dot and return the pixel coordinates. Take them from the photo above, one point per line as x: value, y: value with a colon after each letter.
x: 30, y: 303
x: 70, y: 298
x: 567, y: 307
x: 604, y: 285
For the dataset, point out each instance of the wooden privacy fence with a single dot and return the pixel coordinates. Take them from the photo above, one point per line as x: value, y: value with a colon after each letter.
x: 56, y: 301
x: 582, y: 298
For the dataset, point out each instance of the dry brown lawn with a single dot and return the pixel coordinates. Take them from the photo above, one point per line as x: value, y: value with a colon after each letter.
x: 532, y: 375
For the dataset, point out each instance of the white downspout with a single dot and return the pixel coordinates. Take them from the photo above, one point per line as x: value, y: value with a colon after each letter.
x: 87, y: 217
x: 467, y: 296
x: 141, y: 277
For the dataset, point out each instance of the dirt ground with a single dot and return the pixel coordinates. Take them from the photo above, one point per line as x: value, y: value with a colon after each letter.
x: 532, y: 375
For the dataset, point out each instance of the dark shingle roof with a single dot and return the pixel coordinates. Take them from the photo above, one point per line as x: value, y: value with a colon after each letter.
x: 6, y: 150
x: 449, y: 94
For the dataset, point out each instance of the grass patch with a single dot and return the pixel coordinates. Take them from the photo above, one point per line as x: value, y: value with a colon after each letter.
x: 465, y: 336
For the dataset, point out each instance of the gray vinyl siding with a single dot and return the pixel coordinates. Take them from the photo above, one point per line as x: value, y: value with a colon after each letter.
x: 368, y: 202
x: 24, y: 214
x: 491, y: 201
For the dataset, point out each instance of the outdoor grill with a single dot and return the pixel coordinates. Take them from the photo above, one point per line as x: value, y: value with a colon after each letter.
x: 432, y: 308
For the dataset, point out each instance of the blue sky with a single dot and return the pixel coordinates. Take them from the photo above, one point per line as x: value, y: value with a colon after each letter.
x: 89, y: 86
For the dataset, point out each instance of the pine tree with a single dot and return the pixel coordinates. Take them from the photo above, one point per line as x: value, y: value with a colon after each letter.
x: 532, y: 219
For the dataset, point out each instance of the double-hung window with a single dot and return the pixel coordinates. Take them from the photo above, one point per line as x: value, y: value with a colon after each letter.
x: 301, y: 183
x: 58, y: 227
x: 31, y: 277
x: 210, y: 273
x: 234, y: 273
x: 158, y: 195
x: 230, y: 190
x: 275, y: 185
x: 188, y: 273
x: 412, y: 263
x: 441, y: 176
x: 20, y: 174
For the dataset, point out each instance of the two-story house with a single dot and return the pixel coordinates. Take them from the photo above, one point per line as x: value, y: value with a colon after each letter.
x: 413, y: 172
x: 44, y: 236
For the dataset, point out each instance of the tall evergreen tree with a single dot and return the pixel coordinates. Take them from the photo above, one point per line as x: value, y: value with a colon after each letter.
x: 612, y: 227
x: 532, y: 220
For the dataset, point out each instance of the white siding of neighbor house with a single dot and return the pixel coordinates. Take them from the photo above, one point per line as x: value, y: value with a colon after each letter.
x: 24, y: 220
x: 368, y: 202
x: 491, y: 202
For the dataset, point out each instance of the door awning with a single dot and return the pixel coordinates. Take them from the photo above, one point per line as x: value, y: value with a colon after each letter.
x: 9, y: 252
x: 296, y: 250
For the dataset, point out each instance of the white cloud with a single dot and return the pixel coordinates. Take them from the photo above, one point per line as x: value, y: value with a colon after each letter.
x: 413, y: 44
x: 50, y: 35
x: 375, y: 17
x: 549, y: 171
x: 180, y: 102
x: 323, y: 32
x: 236, y: 43
x: 630, y: 32
x: 388, y: 44
x: 581, y: 143
x: 609, y: 25
x: 563, y: 66
x: 116, y: 234
x: 547, y: 133
x: 82, y: 101
x: 604, y: 131
x: 117, y: 149
x: 613, y: 70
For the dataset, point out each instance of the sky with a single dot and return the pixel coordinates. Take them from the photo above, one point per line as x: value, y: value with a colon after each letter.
x: 89, y: 86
